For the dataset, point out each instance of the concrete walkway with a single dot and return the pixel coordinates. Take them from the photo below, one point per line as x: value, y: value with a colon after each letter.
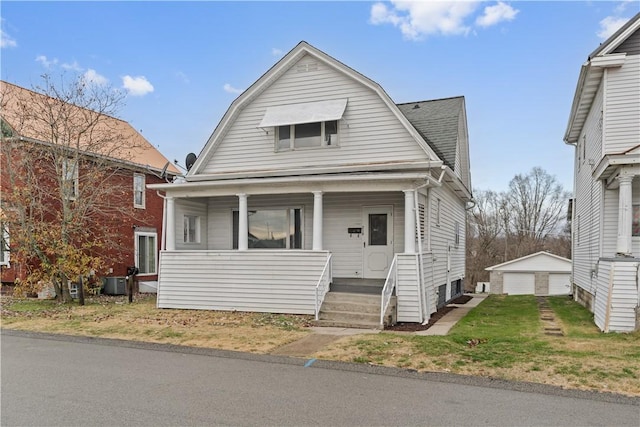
x: 323, y: 336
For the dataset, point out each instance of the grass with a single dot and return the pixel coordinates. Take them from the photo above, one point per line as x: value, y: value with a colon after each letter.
x: 503, y: 337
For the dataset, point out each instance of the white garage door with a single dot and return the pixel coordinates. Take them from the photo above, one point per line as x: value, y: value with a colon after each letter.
x: 559, y: 284
x: 519, y: 283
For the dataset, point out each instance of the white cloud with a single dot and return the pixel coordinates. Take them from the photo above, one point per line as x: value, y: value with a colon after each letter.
x: 6, y: 40
x: 622, y: 6
x: 230, y: 89
x: 92, y: 76
x: 496, y: 14
x: 419, y: 19
x: 137, y: 86
x: 610, y: 25
x: 276, y: 52
x: 46, y: 62
x: 74, y: 66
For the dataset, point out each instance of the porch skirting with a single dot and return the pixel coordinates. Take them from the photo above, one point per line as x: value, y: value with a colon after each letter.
x: 272, y: 281
x: 617, y: 299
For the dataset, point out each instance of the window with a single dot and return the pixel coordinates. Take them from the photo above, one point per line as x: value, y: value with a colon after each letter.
x: 272, y: 229
x: 4, y: 244
x: 421, y: 216
x: 635, y: 227
x: 456, y: 238
x: 438, y: 212
x: 138, y: 190
x: 146, y: 252
x: 70, y: 179
x: 307, y: 135
x: 191, y: 229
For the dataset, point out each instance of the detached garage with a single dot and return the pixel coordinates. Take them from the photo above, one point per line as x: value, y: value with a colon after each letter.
x: 541, y: 273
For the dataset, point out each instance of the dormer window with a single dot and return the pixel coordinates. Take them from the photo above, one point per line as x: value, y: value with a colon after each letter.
x: 305, y: 125
x: 307, y: 135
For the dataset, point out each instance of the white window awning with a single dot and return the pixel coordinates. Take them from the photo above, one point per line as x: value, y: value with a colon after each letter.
x: 306, y: 112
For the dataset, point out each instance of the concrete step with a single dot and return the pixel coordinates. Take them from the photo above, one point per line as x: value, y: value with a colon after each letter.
x: 351, y: 297
x: 350, y: 310
x: 338, y: 324
x: 352, y: 307
x: 347, y: 316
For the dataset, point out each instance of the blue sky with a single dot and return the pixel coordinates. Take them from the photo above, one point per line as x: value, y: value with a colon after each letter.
x: 183, y: 63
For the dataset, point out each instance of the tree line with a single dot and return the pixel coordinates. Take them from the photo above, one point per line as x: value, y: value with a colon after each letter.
x: 530, y: 216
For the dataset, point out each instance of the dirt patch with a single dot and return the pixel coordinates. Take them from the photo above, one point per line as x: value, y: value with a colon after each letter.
x: 462, y: 299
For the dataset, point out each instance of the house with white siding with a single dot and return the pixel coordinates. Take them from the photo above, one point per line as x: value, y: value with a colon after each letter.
x: 604, y: 128
x: 315, y: 183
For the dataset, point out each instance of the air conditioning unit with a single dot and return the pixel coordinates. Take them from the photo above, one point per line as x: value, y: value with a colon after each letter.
x: 115, y: 285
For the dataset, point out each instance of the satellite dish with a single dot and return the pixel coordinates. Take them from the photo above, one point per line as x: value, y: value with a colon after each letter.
x: 163, y: 174
x: 191, y: 159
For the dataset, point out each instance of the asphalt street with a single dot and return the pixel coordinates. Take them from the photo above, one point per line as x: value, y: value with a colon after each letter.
x: 52, y: 380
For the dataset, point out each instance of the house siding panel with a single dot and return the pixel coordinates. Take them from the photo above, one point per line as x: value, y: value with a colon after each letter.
x: 588, y: 199
x: 622, y: 122
x: 263, y: 281
x: 369, y: 132
x: 408, y: 289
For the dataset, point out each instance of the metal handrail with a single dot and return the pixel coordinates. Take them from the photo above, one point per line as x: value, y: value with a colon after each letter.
x: 387, y: 290
x: 323, y: 285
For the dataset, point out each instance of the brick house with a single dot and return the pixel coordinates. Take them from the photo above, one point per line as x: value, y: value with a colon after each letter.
x: 129, y: 215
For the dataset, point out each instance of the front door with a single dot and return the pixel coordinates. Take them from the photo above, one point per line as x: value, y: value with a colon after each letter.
x: 378, y: 244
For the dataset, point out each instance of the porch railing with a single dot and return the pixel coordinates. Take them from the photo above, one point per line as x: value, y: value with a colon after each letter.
x: 323, y: 285
x: 387, y: 290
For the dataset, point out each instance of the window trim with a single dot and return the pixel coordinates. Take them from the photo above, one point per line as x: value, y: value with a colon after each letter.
x: 5, y: 245
x: 147, y: 234
x: 292, y: 138
x: 66, y: 178
x: 142, y: 190
x: 186, y: 228
x: 288, y: 209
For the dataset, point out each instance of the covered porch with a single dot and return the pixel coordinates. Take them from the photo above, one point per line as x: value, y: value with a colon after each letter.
x: 276, y: 245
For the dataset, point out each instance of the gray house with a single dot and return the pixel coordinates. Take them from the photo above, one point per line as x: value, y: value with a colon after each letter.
x: 604, y: 128
x: 316, y: 184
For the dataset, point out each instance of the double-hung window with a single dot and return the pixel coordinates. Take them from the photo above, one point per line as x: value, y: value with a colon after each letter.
x: 307, y: 135
x: 146, y: 248
x: 305, y: 125
x: 70, y: 179
x: 191, y: 229
x: 138, y: 190
x: 272, y: 229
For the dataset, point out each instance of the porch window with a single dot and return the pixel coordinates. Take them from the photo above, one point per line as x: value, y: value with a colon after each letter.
x: 635, y: 227
x: 191, y: 229
x: 146, y: 249
x: 138, y: 190
x: 272, y: 229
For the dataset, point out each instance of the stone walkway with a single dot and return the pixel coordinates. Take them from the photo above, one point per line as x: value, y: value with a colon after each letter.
x: 548, y: 318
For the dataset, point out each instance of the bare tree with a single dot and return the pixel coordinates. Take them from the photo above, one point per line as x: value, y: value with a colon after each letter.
x: 61, y: 151
x: 533, y: 210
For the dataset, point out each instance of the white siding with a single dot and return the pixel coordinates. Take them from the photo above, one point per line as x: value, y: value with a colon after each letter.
x: 615, y: 309
x: 588, y: 199
x: 443, y: 237
x: 622, y: 108
x: 408, y: 290
x: 258, y: 280
x: 369, y: 131
x: 540, y: 262
x: 190, y: 207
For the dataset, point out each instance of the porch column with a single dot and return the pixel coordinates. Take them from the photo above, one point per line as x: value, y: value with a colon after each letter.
x: 317, y: 220
x: 625, y: 215
x: 243, y: 223
x: 171, y: 225
x: 409, y: 222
